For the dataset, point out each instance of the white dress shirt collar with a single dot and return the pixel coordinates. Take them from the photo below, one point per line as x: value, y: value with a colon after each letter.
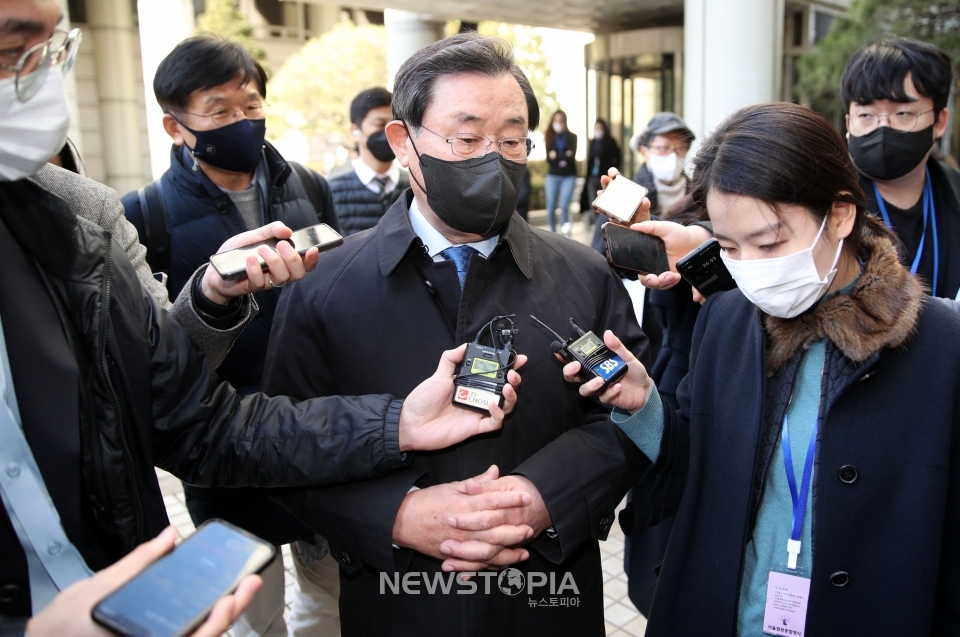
x: 366, y: 175
x: 436, y: 243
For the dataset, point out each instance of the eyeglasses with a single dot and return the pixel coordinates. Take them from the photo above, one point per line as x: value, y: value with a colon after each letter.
x: 468, y: 145
x: 224, y: 116
x: 903, y: 120
x: 31, y: 69
x: 666, y: 149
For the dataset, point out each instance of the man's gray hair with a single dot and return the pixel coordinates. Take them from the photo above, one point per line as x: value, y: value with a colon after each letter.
x: 466, y: 52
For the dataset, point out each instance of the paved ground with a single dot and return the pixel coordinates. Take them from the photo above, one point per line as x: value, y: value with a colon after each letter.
x: 622, y: 618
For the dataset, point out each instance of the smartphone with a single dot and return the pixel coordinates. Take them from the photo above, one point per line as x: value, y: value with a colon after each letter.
x: 704, y: 269
x: 634, y: 251
x: 232, y: 264
x: 172, y: 596
x: 620, y: 200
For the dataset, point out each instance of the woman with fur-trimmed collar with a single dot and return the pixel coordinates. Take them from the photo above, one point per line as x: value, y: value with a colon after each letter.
x: 814, y: 463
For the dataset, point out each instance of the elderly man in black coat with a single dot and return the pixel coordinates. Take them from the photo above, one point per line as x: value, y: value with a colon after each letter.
x: 447, y: 258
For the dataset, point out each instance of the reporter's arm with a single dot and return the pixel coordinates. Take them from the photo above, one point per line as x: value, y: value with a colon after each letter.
x: 69, y: 612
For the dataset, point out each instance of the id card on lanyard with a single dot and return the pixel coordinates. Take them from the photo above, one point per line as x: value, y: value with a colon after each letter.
x: 788, y: 590
x: 929, y: 214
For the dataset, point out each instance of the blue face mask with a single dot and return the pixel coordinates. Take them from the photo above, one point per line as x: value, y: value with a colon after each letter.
x: 235, y: 147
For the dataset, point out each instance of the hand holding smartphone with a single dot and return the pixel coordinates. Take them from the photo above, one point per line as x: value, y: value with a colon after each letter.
x: 704, y: 269
x: 634, y: 251
x: 621, y: 200
x: 174, y: 594
x: 232, y: 264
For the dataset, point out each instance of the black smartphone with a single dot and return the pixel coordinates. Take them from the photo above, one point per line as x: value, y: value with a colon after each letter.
x: 704, y: 269
x: 174, y: 594
x: 634, y: 251
x: 232, y: 264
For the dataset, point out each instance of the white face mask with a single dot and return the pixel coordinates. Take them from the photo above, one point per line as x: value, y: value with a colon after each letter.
x: 665, y: 168
x: 558, y: 128
x: 784, y: 287
x: 598, y: 134
x: 31, y: 132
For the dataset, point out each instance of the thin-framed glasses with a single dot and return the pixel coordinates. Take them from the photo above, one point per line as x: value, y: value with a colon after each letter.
x: 32, y: 67
x: 903, y: 120
x: 224, y: 116
x: 469, y: 145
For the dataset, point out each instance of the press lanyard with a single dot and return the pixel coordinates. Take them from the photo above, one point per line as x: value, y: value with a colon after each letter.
x: 929, y: 212
x: 560, y: 141
x: 799, y: 498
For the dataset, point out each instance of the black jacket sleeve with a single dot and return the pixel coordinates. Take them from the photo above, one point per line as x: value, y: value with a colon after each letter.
x: 584, y: 474
x: 207, y: 435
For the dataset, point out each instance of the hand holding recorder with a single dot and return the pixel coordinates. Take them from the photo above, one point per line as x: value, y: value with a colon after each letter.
x: 629, y: 393
x: 429, y: 419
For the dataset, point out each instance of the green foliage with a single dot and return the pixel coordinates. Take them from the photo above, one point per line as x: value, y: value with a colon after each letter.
x: 527, y: 46
x: 224, y: 18
x: 934, y: 21
x: 313, y: 90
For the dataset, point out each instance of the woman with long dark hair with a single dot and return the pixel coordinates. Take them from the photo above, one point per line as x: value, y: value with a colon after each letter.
x: 561, y: 146
x: 813, y: 462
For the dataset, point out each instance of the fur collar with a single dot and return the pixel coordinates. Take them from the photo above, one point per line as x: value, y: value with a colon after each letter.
x: 881, y: 311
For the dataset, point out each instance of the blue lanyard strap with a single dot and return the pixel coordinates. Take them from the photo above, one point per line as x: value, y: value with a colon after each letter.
x: 799, y: 498
x: 929, y: 213
x: 560, y: 141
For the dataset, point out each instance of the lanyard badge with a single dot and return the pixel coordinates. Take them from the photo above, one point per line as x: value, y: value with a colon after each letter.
x: 788, y: 593
x: 929, y: 215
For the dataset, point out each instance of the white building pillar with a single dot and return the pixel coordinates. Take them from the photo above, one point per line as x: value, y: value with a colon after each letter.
x: 111, y: 22
x: 163, y: 24
x: 407, y: 33
x: 733, y: 54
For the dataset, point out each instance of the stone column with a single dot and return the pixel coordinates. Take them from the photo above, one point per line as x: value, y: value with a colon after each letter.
x: 733, y: 54
x: 407, y: 33
x: 163, y: 24
x: 111, y: 23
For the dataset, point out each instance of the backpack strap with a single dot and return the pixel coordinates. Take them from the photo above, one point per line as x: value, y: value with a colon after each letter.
x: 311, y: 187
x: 156, y: 226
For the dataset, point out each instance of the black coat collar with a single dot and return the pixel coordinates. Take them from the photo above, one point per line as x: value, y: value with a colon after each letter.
x: 396, y: 235
x: 42, y: 223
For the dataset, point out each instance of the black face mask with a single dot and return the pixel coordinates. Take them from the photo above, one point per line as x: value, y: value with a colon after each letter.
x: 380, y: 147
x: 476, y: 195
x: 236, y: 147
x: 884, y: 153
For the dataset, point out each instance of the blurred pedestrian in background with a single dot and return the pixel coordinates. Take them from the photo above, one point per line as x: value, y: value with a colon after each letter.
x: 602, y: 155
x: 561, y: 147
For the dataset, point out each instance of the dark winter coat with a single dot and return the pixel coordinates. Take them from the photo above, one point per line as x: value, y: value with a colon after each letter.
x: 148, y: 397
x: 567, y: 155
x: 604, y: 154
x: 202, y: 217
x: 946, y: 198
x: 375, y: 318
x: 886, y: 490
x: 358, y: 207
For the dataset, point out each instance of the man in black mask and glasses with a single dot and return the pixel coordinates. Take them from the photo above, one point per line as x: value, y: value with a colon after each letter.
x: 895, y: 93
x: 450, y: 255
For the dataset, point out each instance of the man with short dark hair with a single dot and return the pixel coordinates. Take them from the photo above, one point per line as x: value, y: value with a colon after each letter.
x: 895, y: 93
x: 450, y: 257
x: 224, y: 178
x: 363, y: 194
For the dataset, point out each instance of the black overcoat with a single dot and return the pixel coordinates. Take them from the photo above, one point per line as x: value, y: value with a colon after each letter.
x: 378, y: 313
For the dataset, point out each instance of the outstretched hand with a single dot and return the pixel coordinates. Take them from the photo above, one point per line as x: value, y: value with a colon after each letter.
x: 679, y: 241
x: 629, y: 393
x: 69, y: 612
x: 643, y: 210
x: 429, y: 419
x: 283, y: 265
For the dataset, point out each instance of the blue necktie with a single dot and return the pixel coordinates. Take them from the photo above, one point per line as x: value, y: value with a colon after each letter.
x: 460, y: 255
